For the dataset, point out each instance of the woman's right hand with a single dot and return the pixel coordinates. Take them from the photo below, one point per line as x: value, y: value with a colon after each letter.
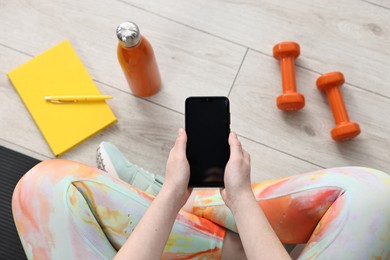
x: 257, y: 236
x: 237, y: 174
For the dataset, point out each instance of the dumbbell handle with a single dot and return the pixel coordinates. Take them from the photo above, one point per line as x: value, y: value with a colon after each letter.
x: 288, y: 74
x: 337, y: 105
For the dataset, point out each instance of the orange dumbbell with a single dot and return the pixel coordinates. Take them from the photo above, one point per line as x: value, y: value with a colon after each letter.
x: 331, y: 83
x: 286, y: 52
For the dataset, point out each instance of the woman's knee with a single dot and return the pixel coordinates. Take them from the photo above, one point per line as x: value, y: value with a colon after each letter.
x: 45, y: 181
x: 51, y: 215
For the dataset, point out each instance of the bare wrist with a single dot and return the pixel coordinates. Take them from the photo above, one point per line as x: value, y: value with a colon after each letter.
x: 174, y: 197
x: 241, y: 201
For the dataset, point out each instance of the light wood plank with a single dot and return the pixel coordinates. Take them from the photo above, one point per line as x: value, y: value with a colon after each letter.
x: 268, y: 164
x: 199, y: 46
x: 145, y: 132
x: 306, y: 133
x: 191, y: 62
x: 380, y: 3
x: 351, y: 36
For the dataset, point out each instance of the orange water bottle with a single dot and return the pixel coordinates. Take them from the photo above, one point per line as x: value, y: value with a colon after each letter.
x: 136, y: 57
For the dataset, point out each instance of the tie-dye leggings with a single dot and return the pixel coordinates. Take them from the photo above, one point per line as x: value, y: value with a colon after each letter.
x: 68, y: 210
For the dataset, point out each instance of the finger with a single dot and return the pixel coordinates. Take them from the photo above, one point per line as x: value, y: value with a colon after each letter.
x: 181, y: 141
x: 222, y: 191
x: 247, y: 156
x: 235, y: 146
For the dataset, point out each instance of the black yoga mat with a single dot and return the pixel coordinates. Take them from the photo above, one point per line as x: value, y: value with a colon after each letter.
x: 13, y: 166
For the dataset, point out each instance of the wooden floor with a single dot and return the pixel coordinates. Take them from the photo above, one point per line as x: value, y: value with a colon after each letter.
x: 215, y: 47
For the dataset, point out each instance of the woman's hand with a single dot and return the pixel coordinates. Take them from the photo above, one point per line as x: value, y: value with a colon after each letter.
x: 177, y: 173
x: 156, y: 224
x: 237, y: 174
x: 257, y: 236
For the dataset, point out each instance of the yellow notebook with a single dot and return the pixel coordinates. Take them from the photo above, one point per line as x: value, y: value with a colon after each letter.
x: 59, y: 71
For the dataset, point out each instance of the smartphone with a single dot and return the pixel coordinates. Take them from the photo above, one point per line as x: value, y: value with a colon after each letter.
x: 207, y: 123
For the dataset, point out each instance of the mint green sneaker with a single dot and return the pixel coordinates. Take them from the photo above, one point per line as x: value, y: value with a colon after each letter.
x: 112, y: 161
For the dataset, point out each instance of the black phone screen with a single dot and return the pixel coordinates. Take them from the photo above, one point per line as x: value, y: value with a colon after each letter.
x: 207, y: 122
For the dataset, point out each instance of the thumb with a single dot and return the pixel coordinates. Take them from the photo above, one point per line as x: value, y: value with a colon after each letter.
x: 235, y: 146
x: 181, y: 140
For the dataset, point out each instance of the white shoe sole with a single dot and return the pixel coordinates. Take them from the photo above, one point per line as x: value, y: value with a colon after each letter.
x: 104, y: 163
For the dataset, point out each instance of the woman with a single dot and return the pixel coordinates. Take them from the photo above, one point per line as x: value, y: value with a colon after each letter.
x: 65, y: 209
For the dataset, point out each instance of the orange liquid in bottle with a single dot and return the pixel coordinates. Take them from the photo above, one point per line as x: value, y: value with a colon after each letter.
x: 140, y: 68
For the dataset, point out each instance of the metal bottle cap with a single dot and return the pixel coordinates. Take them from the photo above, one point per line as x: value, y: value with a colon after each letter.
x: 128, y: 34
